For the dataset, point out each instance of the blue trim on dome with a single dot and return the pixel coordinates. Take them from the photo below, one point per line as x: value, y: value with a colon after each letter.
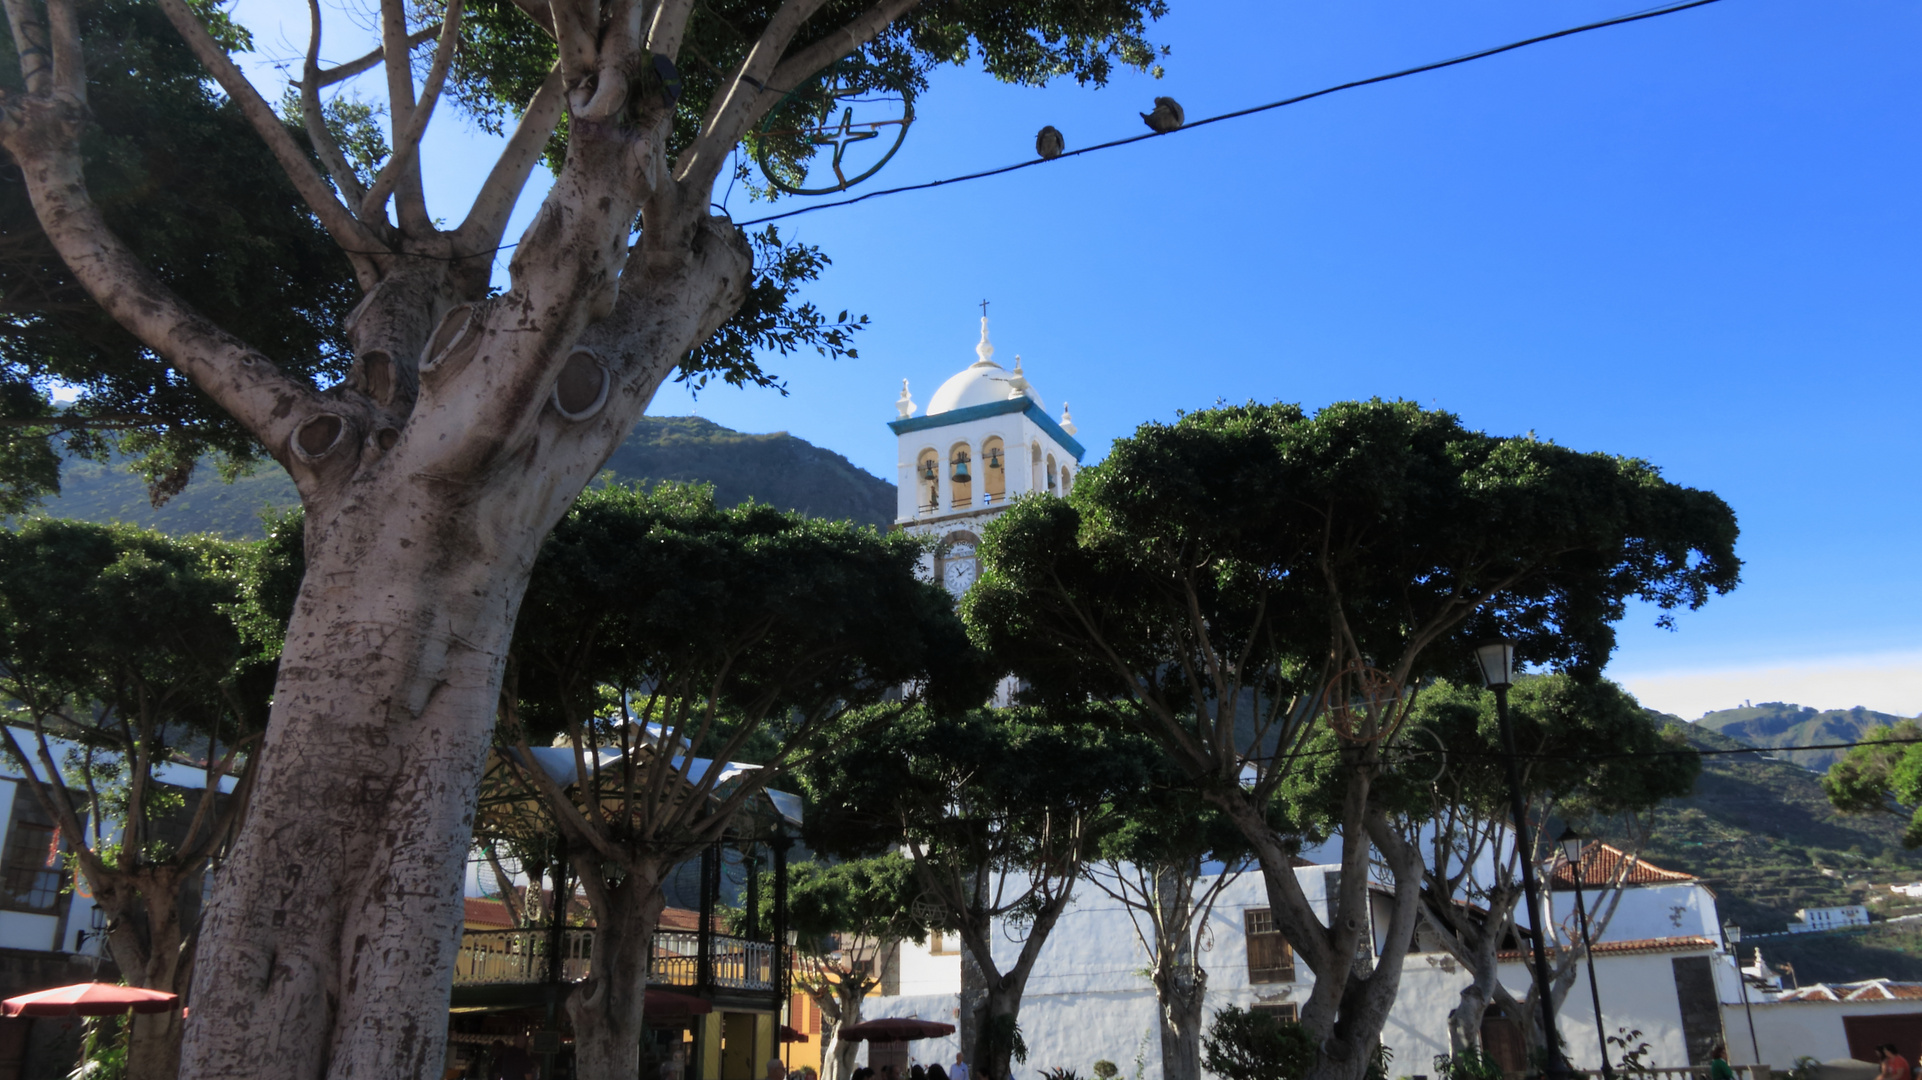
x: 993, y: 408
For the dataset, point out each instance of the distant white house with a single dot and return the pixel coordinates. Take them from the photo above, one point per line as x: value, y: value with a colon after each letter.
x: 1813, y: 920
x: 1913, y: 889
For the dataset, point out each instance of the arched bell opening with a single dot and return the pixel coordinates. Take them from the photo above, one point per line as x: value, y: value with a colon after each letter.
x: 960, y: 476
x: 927, y: 480
x: 994, y: 470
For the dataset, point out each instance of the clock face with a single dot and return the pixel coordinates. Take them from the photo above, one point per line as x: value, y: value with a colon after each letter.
x: 960, y: 574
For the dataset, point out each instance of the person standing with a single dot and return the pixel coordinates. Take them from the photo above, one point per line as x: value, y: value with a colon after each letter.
x: 1894, y: 1065
x: 959, y: 1070
x: 1718, y: 1066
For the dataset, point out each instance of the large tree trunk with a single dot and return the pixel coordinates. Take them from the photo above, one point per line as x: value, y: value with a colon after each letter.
x: 1350, y: 1001
x: 153, y: 1046
x: 1180, y: 983
x: 608, y: 1010
x: 837, y: 1054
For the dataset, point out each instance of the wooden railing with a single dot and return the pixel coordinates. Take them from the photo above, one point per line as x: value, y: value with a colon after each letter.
x: 499, y: 957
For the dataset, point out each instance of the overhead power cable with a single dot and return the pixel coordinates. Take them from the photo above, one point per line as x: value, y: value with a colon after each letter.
x: 1650, y: 13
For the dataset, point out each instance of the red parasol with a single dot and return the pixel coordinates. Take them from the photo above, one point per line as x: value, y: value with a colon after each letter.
x: 89, y: 999
x: 896, y: 1029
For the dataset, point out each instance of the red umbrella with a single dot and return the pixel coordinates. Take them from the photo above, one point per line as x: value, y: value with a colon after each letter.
x: 896, y: 1029
x: 788, y: 1034
x: 89, y: 999
x: 669, y: 1003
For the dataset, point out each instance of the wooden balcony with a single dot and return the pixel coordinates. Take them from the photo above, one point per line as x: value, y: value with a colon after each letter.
x: 521, y: 958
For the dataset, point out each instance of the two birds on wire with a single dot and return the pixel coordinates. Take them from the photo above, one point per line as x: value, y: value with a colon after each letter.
x: 1167, y: 116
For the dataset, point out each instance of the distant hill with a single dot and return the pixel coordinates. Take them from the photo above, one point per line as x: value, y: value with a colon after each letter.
x: 1762, y: 834
x: 777, y: 469
x: 1775, y: 723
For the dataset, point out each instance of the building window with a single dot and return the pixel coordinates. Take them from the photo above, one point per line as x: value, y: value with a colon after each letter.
x: 1270, y: 960
x: 30, y: 874
x: 1280, y: 1012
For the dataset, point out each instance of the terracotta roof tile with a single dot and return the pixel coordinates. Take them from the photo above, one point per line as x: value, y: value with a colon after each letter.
x: 1869, y: 990
x: 1602, y: 862
x: 1689, y: 943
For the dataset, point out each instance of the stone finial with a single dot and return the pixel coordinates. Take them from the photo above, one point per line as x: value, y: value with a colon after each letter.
x: 1018, y: 385
x: 1067, y: 420
x: 985, y: 350
x: 905, y: 403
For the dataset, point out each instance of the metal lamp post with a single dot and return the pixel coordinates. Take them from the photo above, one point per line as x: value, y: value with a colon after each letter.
x: 1571, y: 842
x: 1733, y: 935
x: 1497, y: 659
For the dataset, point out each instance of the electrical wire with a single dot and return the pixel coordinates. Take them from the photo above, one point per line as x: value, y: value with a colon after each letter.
x: 1650, y: 13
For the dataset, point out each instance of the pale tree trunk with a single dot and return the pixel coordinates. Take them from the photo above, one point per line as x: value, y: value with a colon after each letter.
x: 1180, y: 983
x: 464, y: 429
x: 841, y: 1008
x: 608, y: 1010
x: 999, y: 1009
x: 1347, y: 1007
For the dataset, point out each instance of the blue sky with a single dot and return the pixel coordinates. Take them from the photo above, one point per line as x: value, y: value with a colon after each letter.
x: 1692, y: 239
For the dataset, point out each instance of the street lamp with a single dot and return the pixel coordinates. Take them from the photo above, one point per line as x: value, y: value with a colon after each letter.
x: 1497, y: 660
x: 1733, y: 935
x: 1571, y: 842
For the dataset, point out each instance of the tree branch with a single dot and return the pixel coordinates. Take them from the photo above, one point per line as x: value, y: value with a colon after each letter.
x: 241, y: 380
x: 401, y: 174
x: 366, y: 63
x: 341, y: 224
x: 487, y: 219
x: 345, y: 181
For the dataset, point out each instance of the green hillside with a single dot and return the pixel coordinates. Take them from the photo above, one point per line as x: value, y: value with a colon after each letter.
x: 1775, y: 723
x: 778, y: 469
x: 1762, y: 834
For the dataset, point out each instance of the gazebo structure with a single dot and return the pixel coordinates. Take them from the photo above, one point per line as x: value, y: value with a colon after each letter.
x: 714, y: 999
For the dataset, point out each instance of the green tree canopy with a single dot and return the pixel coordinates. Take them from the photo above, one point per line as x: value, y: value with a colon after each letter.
x: 1254, y: 578
x: 1883, y: 777
x: 133, y: 657
x: 181, y: 178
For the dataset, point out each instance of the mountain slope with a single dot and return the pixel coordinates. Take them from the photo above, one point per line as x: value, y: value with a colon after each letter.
x: 1762, y: 834
x: 1775, y: 723
x: 778, y: 469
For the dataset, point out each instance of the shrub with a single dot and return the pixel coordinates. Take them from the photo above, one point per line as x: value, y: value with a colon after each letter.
x: 1243, y: 1044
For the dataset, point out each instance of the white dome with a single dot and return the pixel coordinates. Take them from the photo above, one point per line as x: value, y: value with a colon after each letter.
x: 983, y: 382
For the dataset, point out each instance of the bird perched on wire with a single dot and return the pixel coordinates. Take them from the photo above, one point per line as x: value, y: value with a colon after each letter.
x: 1049, y: 143
x: 1166, y: 117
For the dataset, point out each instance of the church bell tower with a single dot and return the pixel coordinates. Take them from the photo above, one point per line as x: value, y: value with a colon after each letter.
x: 985, y: 439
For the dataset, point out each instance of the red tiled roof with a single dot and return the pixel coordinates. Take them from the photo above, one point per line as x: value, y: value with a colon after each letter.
x: 1601, y: 863
x: 1688, y: 943
x: 1871, y: 990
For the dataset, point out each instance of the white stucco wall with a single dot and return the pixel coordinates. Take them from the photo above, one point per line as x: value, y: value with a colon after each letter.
x: 1646, y: 911
x: 1089, y: 997
x: 1786, y: 1030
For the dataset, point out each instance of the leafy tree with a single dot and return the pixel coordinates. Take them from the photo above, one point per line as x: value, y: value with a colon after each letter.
x: 1154, y: 863
x: 123, y: 651
x: 467, y: 422
x: 1244, y: 1044
x: 1263, y: 585
x: 1882, y: 777
x: 999, y: 810
x: 177, y: 175
x: 662, y: 638
x: 845, y: 917
x: 1591, y: 756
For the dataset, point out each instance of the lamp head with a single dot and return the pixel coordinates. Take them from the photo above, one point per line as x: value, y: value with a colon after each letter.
x: 1731, y: 932
x: 1497, y: 660
x: 1571, y: 842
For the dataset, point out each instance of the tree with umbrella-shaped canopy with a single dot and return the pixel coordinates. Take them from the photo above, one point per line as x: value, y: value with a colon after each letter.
x: 664, y: 639
x: 1254, y: 578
